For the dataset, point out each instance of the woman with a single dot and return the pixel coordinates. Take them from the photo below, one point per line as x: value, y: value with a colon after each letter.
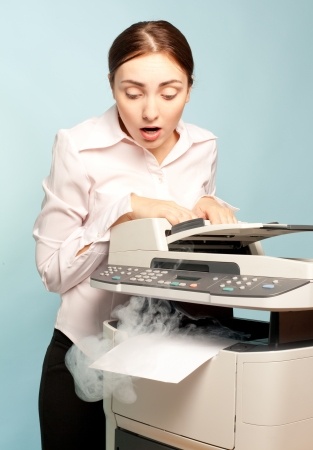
x: 137, y: 160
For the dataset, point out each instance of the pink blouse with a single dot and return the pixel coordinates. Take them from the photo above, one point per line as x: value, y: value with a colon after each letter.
x: 95, y: 167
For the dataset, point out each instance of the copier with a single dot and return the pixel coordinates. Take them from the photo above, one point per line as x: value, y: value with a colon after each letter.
x: 256, y: 394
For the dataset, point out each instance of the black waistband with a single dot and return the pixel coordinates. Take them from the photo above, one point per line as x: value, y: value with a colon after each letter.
x: 61, y: 337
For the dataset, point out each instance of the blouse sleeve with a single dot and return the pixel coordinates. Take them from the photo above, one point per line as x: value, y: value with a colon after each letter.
x: 210, y: 185
x: 63, y: 226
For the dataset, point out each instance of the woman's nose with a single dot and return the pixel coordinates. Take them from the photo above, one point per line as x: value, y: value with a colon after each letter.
x: 150, y: 111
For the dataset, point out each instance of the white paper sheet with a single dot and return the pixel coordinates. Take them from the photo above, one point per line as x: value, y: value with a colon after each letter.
x: 159, y: 357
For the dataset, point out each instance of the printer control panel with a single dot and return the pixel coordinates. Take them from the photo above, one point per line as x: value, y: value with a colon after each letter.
x: 203, y: 282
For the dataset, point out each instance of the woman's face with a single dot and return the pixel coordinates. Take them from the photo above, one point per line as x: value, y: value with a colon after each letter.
x: 151, y: 92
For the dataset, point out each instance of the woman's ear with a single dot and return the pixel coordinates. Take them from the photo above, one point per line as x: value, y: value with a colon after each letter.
x: 188, y: 94
x: 190, y: 88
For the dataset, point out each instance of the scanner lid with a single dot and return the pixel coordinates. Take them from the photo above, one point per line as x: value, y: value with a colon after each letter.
x: 246, y: 233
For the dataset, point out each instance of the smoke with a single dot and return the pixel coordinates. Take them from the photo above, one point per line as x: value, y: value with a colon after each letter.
x: 88, y: 382
x: 147, y: 315
x: 140, y: 315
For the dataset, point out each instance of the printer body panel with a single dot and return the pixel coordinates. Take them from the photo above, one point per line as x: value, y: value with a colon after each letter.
x: 274, y: 408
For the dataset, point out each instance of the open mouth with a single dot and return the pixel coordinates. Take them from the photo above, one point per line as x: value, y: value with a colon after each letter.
x: 150, y: 133
x: 150, y: 129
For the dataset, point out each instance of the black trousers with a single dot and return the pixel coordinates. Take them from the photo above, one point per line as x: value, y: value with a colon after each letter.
x: 66, y: 421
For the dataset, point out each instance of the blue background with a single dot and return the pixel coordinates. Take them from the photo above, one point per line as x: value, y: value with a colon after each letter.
x: 254, y: 86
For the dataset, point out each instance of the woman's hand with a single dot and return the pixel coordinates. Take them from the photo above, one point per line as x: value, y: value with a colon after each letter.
x: 144, y: 207
x: 207, y: 208
x: 210, y: 209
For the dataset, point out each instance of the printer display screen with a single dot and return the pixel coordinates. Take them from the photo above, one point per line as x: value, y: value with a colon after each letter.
x: 187, y: 278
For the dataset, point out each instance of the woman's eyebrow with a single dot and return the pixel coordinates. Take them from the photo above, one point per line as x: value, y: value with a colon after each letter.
x: 136, y: 83
x: 164, y: 83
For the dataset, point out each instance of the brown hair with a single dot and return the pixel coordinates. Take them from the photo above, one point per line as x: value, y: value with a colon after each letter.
x: 150, y: 37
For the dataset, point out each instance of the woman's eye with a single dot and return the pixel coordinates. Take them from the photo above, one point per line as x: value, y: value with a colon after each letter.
x: 169, y: 96
x: 169, y: 93
x: 132, y: 96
